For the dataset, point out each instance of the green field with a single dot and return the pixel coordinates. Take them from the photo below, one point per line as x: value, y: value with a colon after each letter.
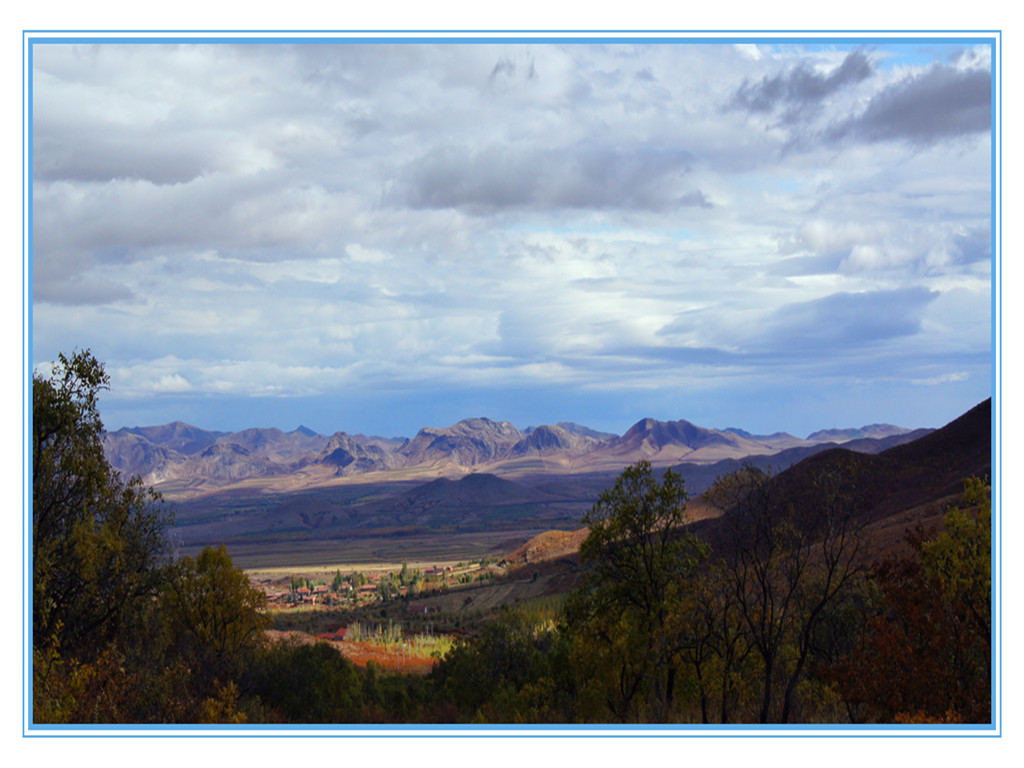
x: 374, y: 552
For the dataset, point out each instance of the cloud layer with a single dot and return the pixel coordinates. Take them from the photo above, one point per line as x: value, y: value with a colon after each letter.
x: 614, y: 228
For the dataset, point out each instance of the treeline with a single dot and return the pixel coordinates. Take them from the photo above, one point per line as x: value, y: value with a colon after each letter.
x: 775, y: 613
x: 785, y: 620
x: 122, y: 632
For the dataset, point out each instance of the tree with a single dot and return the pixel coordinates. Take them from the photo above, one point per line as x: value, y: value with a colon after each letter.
x: 789, y: 565
x: 959, y: 560
x: 638, y: 557
x: 926, y: 653
x: 512, y: 671
x: 386, y: 589
x: 308, y: 683
x: 97, y: 542
x: 714, y: 643
x: 214, y: 615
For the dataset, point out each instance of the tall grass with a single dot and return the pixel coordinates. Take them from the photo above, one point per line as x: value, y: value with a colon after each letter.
x: 391, y: 637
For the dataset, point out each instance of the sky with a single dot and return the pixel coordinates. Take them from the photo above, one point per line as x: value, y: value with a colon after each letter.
x: 376, y: 238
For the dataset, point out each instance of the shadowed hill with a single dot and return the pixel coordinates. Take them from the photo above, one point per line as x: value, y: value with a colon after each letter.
x: 902, y: 483
x: 914, y: 473
x: 907, y: 477
x: 699, y: 477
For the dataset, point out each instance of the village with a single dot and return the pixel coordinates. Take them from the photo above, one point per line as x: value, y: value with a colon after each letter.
x: 362, y: 588
x: 373, y: 614
x: 402, y: 618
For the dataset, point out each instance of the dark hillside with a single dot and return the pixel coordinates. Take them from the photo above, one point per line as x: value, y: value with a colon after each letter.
x: 911, y: 476
x: 699, y: 477
x: 475, y: 489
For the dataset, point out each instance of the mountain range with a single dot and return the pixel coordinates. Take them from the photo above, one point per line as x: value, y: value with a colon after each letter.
x: 182, y: 460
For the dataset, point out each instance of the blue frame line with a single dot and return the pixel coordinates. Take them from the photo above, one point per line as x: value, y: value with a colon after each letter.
x: 27, y: 282
x: 348, y: 38
x: 996, y: 216
x: 518, y: 34
x: 25, y: 428
x: 456, y: 37
x: 445, y: 729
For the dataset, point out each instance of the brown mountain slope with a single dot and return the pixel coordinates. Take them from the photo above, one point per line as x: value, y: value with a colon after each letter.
x: 699, y: 477
x: 547, y: 440
x: 843, y: 435
x: 669, y: 442
x: 468, y: 443
x: 910, y: 481
x: 914, y: 473
x: 273, y: 444
x: 893, y: 489
x: 176, y: 436
x: 549, y: 545
x: 351, y: 457
x: 134, y: 454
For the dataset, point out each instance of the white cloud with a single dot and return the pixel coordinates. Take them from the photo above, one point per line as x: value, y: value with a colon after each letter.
x: 366, y: 255
x: 290, y: 220
x: 945, y: 378
x: 750, y: 50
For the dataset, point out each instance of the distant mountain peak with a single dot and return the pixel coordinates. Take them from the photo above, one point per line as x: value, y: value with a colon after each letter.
x: 467, y: 443
x: 856, y: 433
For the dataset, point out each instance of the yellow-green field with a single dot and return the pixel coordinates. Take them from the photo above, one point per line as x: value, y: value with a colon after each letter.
x: 374, y: 553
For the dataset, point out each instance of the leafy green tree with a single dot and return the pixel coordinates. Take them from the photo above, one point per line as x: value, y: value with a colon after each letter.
x: 386, y: 589
x: 959, y: 560
x: 512, y: 672
x: 214, y: 615
x: 638, y: 558
x: 98, y: 549
x: 97, y: 541
x: 308, y: 683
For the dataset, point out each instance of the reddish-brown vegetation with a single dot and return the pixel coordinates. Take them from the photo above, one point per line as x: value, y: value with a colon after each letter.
x: 391, y: 657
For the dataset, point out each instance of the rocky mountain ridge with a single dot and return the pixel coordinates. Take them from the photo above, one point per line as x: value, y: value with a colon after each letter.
x: 180, y: 456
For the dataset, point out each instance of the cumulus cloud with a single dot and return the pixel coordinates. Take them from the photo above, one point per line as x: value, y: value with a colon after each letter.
x: 313, y: 221
x: 801, y: 88
x: 943, y: 102
x: 858, y: 248
x: 590, y: 175
x: 844, y: 321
